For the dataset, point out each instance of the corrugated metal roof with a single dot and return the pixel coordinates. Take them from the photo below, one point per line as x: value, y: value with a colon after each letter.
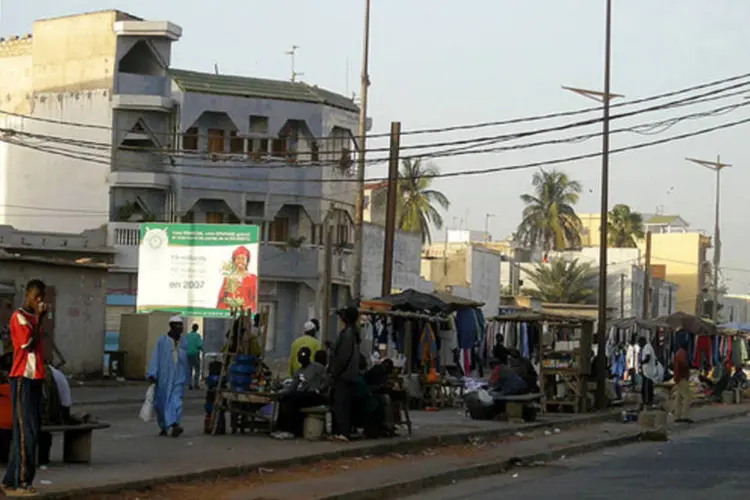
x: 243, y: 86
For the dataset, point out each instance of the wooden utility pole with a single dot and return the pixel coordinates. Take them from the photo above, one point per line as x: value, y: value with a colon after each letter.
x: 327, y: 278
x: 390, y: 211
x: 622, y: 295
x: 647, y: 277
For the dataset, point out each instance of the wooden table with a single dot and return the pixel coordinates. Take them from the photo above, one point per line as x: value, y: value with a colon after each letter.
x: 244, y: 409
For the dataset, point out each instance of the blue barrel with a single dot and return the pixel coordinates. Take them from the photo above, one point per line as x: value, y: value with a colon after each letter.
x: 241, y: 372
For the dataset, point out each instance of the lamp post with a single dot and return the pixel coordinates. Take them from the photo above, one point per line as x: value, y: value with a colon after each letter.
x: 716, y: 166
x: 605, y: 98
x: 359, y: 205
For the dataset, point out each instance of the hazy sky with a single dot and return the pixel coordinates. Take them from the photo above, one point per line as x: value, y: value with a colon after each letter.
x: 438, y: 63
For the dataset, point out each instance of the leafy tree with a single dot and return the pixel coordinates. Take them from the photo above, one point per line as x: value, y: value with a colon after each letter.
x: 549, y: 221
x: 418, y: 204
x: 624, y: 227
x: 563, y: 282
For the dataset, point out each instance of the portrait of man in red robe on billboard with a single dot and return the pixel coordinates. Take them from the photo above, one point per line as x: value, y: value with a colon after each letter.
x: 239, y: 288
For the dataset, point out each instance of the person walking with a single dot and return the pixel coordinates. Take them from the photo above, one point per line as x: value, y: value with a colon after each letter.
x: 168, y: 370
x: 681, y: 373
x: 26, y: 382
x: 194, y: 347
x: 344, y: 369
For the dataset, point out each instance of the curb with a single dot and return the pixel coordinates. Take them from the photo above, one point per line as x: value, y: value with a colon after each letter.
x: 404, y: 446
x: 118, y: 402
x: 426, y: 484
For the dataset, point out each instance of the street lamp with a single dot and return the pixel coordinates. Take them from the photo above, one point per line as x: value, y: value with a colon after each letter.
x: 717, y: 166
x: 605, y: 98
x: 487, y: 218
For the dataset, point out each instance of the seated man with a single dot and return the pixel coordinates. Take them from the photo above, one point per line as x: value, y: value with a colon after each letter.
x: 506, y: 382
x: 309, y: 388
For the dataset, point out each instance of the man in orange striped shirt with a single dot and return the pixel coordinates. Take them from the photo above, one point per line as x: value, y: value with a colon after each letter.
x: 26, y: 382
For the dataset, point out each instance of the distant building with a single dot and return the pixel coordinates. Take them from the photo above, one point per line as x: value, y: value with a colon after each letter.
x: 678, y: 254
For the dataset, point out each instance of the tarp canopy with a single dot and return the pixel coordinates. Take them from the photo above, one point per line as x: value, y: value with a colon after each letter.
x: 689, y: 322
x: 735, y: 327
x: 640, y: 323
x: 437, y: 301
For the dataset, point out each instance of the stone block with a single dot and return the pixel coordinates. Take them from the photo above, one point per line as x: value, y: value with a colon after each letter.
x: 653, y: 425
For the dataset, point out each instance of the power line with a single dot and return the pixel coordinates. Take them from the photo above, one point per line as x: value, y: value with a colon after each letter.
x: 451, y: 128
x: 461, y: 173
x: 641, y: 129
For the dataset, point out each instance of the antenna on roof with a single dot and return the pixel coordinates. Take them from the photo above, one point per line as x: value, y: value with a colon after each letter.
x: 216, y: 68
x: 292, y: 53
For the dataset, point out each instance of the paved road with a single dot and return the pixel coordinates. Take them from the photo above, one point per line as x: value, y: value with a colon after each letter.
x: 707, y: 462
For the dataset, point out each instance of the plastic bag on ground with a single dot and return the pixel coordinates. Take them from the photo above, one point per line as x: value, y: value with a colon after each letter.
x: 147, y: 410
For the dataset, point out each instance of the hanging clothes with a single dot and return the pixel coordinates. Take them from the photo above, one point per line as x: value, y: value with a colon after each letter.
x: 702, y: 353
x: 466, y: 326
x: 428, y: 352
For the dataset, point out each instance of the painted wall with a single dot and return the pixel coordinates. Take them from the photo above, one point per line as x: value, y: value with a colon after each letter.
x: 407, y: 248
x: 79, y: 312
x: 483, y: 270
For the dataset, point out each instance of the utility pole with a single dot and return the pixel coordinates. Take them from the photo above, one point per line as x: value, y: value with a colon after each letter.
x: 487, y: 218
x: 292, y: 53
x: 390, y: 211
x: 362, y: 143
x: 622, y: 295
x: 605, y: 98
x: 717, y: 166
x: 327, y: 278
x: 647, y: 278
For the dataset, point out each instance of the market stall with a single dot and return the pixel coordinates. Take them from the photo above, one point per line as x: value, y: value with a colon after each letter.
x: 562, y: 347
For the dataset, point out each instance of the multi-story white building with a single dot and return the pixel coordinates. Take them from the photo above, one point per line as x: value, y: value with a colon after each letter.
x: 97, y: 128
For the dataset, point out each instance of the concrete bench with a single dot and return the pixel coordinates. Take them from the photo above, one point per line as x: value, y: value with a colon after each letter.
x: 522, y: 407
x: 77, y: 440
x: 315, y: 422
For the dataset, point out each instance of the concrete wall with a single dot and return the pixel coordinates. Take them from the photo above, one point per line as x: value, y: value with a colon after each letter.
x: 79, y: 312
x: 407, y: 248
x: 483, y: 269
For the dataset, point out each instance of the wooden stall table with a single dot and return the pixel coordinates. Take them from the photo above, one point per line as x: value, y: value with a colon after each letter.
x: 245, y: 409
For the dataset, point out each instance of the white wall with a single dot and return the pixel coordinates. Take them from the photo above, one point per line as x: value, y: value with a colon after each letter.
x: 42, y: 191
x: 483, y: 274
x: 407, y: 250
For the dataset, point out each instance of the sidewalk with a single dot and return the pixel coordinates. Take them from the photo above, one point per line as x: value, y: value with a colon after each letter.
x: 116, y: 393
x: 127, y: 457
x: 396, y: 474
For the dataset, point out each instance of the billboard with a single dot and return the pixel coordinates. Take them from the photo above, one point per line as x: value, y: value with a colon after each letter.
x: 198, y: 269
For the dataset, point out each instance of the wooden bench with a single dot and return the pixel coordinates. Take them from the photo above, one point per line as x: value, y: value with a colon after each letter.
x: 520, y: 408
x: 77, y: 440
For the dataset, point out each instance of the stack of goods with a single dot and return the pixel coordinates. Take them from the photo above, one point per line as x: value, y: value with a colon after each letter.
x: 242, y: 372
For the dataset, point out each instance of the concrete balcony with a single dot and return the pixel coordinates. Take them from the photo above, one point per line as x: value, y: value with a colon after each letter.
x: 143, y: 102
x: 124, y: 237
x: 277, y: 262
x: 132, y: 84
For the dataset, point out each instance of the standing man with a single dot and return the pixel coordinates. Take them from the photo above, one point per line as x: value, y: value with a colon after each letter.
x: 344, y: 369
x: 26, y: 381
x: 168, y: 369
x: 306, y: 340
x: 651, y: 371
x: 681, y: 371
x: 194, y: 343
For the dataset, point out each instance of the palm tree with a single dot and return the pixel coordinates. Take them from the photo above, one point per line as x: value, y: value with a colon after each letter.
x: 563, y: 282
x: 549, y: 221
x: 417, y: 204
x: 624, y: 228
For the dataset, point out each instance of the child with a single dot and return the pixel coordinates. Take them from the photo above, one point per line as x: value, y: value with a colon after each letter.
x: 212, y: 385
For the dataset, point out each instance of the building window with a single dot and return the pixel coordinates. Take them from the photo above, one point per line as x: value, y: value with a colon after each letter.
x: 214, y: 218
x: 314, y: 151
x: 278, y: 147
x: 215, y: 140
x: 278, y: 231
x: 188, y: 218
x: 190, y: 139
x: 342, y: 234
x: 236, y: 143
x: 258, y: 124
